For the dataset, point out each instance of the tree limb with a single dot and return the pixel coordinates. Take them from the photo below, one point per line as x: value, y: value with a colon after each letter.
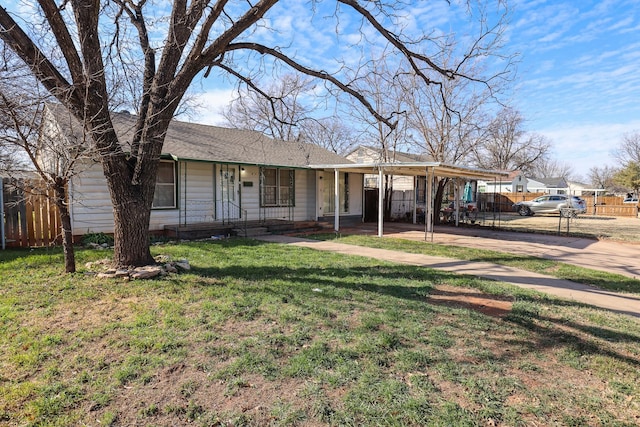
x: 45, y: 71
x: 323, y: 75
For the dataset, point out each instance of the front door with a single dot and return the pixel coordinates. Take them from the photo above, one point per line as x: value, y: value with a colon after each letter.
x: 228, y: 206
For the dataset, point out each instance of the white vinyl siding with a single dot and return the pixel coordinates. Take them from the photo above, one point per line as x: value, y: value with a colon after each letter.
x: 196, y: 194
x: 91, y: 209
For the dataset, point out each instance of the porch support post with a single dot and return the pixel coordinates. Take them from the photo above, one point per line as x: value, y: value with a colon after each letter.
x: 428, y: 216
x: 2, y: 213
x: 456, y: 195
x: 380, y: 201
x: 414, y: 202
x: 336, y: 194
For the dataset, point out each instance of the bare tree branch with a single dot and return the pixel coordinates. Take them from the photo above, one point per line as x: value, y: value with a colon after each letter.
x: 323, y: 75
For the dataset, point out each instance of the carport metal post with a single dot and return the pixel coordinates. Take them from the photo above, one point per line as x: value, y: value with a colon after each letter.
x: 428, y: 215
x: 415, y: 200
x: 2, y: 213
x: 380, y: 202
x: 336, y: 200
x: 456, y: 200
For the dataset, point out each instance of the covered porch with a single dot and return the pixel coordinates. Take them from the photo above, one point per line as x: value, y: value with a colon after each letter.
x: 430, y: 170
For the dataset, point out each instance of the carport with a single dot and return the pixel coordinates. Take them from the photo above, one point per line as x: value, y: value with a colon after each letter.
x: 430, y: 170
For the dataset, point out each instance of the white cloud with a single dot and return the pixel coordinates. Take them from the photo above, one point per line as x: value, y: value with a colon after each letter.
x: 586, y: 146
x: 211, y: 104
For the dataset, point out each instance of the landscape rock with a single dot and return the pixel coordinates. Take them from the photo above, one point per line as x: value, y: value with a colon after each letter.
x: 183, y: 264
x: 146, y: 272
x: 105, y: 276
x: 164, y: 267
x: 121, y: 273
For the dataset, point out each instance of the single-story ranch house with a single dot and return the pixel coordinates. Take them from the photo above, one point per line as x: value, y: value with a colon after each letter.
x: 213, y: 175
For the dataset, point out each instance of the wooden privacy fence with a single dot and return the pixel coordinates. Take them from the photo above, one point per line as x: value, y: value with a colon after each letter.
x: 30, y: 218
x: 600, y: 206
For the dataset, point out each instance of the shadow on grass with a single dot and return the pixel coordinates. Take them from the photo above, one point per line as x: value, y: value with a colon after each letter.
x: 574, y: 336
x: 14, y: 254
x: 379, y: 279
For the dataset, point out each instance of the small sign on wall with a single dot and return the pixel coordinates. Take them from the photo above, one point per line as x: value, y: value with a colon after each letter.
x: 247, y: 183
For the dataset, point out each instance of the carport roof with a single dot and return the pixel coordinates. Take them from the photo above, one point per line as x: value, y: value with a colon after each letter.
x: 417, y: 169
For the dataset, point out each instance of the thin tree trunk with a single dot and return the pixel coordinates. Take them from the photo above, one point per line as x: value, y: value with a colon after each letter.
x: 437, y: 204
x: 65, y: 220
x: 388, y: 194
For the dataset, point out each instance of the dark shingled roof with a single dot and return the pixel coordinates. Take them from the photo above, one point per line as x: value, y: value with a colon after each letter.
x: 191, y: 141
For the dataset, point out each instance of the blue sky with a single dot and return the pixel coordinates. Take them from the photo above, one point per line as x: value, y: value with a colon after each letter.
x: 579, y: 76
x: 578, y: 80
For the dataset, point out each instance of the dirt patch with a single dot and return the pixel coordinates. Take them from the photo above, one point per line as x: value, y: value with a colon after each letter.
x: 491, y: 305
x: 181, y: 394
x: 624, y: 229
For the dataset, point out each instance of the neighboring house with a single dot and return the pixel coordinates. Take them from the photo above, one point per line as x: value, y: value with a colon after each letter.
x: 403, y: 197
x: 515, y: 182
x: 367, y: 154
x: 210, y: 174
x: 554, y: 185
x: 576, y: 188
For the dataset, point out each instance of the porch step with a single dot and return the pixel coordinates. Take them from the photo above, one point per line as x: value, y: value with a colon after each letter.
x: 251, y: 231
x: 196, y: 231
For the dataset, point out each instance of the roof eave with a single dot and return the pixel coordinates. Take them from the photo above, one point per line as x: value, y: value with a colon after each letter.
x: 415, y: 169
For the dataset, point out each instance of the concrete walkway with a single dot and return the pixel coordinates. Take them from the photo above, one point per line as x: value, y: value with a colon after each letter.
x: 620, y: 303
x: 613, y: 257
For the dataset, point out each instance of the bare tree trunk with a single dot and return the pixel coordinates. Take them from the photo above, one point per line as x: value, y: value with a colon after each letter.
x: 132, y: 199
x: 388, y: 194
x: 65, y: 219
x: 437, y: 203
x: 131, y: 232
x: 131, y: 214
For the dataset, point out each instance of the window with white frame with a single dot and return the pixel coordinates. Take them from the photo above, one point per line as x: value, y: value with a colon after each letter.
x: 165, y: 193
x: 277, y: 187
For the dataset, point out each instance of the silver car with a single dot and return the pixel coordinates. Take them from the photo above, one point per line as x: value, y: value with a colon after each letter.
x: 552, y: 203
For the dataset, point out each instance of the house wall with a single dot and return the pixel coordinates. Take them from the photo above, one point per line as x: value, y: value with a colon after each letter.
x: 356, y: 195
x: 305, y: 195
x: 196, y: 197
x: 91, y: 209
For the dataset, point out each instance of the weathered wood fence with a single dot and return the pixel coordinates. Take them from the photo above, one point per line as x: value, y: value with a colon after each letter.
x: 600, y: 206
x: 30, y: 217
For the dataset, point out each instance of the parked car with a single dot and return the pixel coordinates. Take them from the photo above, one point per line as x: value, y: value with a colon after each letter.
x: 551, y: 204
x: 631, y: 199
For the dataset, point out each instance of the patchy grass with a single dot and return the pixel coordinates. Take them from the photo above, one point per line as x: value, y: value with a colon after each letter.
x: 264, y: 334
x: 601, y: 279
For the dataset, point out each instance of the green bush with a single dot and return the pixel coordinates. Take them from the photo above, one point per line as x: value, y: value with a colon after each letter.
x: 97, y: 238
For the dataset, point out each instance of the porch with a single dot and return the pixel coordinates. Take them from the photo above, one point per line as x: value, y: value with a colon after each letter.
x: 205, y: 230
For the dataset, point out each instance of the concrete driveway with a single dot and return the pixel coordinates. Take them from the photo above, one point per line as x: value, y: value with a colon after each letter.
x: 615, y: 257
